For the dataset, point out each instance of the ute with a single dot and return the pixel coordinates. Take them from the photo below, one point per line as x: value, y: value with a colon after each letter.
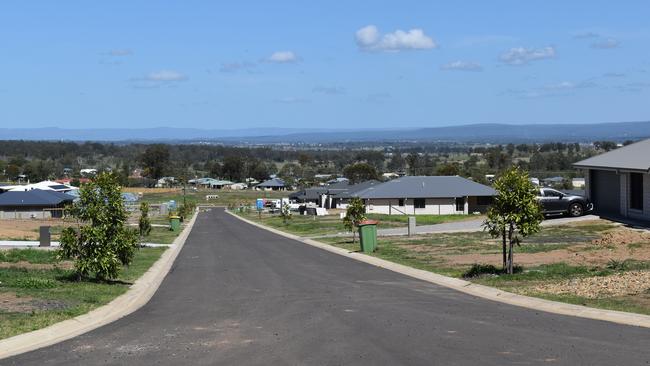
x: 555, y: 202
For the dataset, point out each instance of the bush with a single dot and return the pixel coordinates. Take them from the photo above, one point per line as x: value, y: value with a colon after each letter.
x: 480, y: 270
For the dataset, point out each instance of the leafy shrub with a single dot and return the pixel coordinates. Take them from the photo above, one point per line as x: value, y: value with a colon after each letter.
x: 34, y: 283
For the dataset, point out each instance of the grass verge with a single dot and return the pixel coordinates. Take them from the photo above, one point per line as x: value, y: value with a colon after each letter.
x: 37, y: 298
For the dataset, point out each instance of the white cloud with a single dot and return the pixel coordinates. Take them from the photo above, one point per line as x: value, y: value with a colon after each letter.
x: 369, y: 38
x: 329, y: 90
x: 291, y: 100
x: 523, y: 56
x: 606, y: 44
x: 283, y: 57
x: 569, y: 85
x: 166, y: 76
x: 562, y: 88
x: 462, y: 66
x: 157, y: 79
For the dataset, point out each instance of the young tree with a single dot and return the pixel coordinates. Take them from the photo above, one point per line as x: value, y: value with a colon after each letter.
x: 285, y: 212
x: 144, y: 224
x: 103, y: 243
x: 355, y: 213
x: 514, y: 213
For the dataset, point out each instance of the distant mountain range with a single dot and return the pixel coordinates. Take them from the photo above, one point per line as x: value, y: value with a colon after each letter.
x: 492, y: 133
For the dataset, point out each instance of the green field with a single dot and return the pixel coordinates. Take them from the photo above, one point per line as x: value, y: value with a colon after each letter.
x: 40, y: 293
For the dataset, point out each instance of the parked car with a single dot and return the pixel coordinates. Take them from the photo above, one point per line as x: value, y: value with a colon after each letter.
x: 555, y: 202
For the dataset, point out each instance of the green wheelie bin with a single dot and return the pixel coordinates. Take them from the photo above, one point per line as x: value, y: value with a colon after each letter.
x: 368, y: 235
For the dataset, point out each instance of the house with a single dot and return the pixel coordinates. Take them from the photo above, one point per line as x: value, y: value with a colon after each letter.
x: 89, y: 172
x: 339, y: 195
x: 310, y: 195
x: 238, y: 186
x: 273, y: 184
x: 35, y: 203
x: 210, y: 183
x: 618, y: 181
x: 430, y: 195
x: 45, y: 185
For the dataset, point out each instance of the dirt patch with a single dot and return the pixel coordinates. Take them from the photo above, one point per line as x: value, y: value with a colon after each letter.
x: 27, y: 265
x: 628, y: 283
x: 28, y: 229
x: 622, y: 236
x: 611, y: 245
x: 11, y: 303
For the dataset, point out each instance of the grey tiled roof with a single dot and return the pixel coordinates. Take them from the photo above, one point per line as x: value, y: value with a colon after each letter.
x: 34, y: 197
x: 631, y: 157
x: 275, y: 182
x: 426, y: 187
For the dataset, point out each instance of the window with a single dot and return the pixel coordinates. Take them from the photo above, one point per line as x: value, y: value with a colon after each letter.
x: 460, y: 204
x: 400, y: 202
x: 636, y: 191
x: 552, y: 193
x: 419, y: 203
x: 483, y: 200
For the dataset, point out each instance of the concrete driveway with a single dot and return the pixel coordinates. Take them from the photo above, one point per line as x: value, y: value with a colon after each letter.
x: 239, y: 295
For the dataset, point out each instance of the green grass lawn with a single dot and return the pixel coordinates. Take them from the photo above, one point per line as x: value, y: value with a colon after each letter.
x: 299, y: 224
x: 424, y: 219
x: 51, y: 295
x: 161, y: 235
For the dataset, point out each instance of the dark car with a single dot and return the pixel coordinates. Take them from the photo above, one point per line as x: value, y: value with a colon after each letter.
x: 555, y: 202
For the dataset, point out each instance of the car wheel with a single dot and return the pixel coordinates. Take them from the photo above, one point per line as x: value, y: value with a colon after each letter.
x: 576, y: 210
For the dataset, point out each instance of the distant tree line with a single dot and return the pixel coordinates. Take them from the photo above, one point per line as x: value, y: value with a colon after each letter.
x: 299, y: 165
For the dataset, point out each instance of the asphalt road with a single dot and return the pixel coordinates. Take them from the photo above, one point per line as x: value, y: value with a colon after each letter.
x: 239, y: 295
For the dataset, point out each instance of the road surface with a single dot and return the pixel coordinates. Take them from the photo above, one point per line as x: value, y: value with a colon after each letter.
x: 239, y: 295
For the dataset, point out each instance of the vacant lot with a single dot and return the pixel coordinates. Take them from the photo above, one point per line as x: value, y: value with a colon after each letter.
x: 29, y: 229
x: 595, y: 263
x: 36, y: 290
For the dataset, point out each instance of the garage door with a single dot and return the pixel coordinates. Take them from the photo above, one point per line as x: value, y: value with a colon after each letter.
x: 605, y: 192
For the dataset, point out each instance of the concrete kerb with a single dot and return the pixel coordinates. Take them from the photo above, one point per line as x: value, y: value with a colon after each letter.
x: 137, y: 296
x: 485, y: 292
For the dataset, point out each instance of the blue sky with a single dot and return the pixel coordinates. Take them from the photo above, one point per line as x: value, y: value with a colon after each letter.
x: 337, y: 64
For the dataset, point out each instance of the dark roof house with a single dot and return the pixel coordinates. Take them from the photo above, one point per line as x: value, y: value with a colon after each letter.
x: 618, y: 182
x: 426, y: 187
x: 33, y: 203
x: 275, y: 184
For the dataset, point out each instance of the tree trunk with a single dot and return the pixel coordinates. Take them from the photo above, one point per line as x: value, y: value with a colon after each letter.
x: 354, y: 236
x: 505, y: 260
x: 510, y: 254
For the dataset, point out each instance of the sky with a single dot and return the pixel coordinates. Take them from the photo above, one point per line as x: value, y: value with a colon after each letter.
x: 322, y: 64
